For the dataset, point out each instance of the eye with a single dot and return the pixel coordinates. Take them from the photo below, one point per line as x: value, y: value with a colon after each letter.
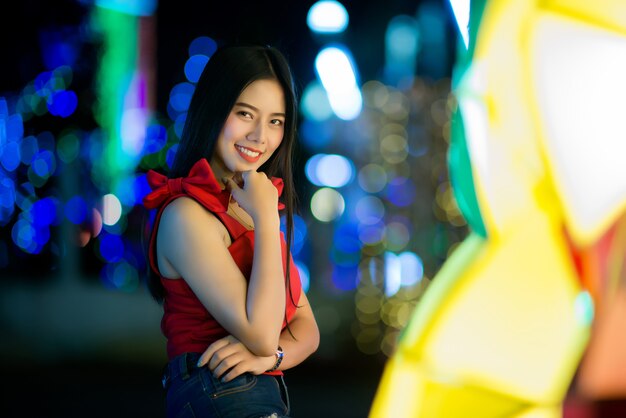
x: 276, y: 122
x: 245, y: 114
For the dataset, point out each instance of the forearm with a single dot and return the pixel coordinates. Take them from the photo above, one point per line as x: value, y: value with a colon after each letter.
x: 265, y: 302
x: 297, y: 350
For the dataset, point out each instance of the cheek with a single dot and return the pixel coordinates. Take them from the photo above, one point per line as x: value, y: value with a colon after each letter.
x: 229, y: 129
x: 277, y: 140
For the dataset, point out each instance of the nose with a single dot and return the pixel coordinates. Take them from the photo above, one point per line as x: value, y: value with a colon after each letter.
x: 259, y: 133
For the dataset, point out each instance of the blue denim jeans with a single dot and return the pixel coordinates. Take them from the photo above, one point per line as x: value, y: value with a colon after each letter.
x: 195, y: 392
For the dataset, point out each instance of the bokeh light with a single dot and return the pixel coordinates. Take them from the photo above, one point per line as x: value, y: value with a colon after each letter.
x: 194, y: 66
x: 111, y: 209
x: 63, y: 103
x: 330, y: 170
x: 76, y: 210
x: 111, y: 247
x: 327, y: 204
x: 202, y: 45
x: 337, y: 73
x: 180, y: 96
x: 370, y: 210
x: 314, y: 104
x: 372, y: 178
x: 305, y: 277
x: 327, y: 17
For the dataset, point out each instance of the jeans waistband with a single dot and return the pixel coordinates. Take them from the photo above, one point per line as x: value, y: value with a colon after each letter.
x: 182, y: 366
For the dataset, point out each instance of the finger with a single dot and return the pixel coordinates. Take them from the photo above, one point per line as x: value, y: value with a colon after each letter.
x: 211, y: 349
x: 239, y: 179
x: 230, y: 184
x: 236, y: 371
x: 226, y: 364
x: 219, y: 355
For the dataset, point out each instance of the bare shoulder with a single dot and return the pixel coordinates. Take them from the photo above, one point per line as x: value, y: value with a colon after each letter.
x: 186, y: 216
x: 186, y: 230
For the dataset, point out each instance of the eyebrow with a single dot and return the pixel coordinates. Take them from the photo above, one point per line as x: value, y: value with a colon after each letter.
x: 242, y: 104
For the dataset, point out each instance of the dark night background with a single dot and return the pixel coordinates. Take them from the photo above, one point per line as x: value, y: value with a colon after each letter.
x: 63, y: 351
x: 70, y: 347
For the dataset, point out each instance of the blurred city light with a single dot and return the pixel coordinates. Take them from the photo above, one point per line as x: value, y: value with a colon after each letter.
x: 327, y: 17
x: 336, y: 71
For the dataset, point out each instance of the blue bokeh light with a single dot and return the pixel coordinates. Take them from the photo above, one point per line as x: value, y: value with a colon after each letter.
x: 372, y: 234
x: 120, y: 276
x: 156, y: 138
x: 10, y: 157
x: 401, y: 49
x: 327, y: 17
x: 337, y: 72
x: 136, y: 8
x: 59, y: 47
x: 171, y: 154
x: 29, y: 147
x: 125, y: 191
x: 314, y: 103
x: 44, y: 164
x: 7, y: 200
x: 202, y: 45
x: 111, y: 247
x: 334, y: 170
x: 345, y: 277
x: 315, y: 135
x: 370, y: 210
x: 412, y: 268
x: 305, y: 276
x: 400, y: 191
x: 180, y: 96
x: 346, y: 238
x: 179, y: 124
x: 141, y: 187
x: 329, y: 170
x: 44, y: 212
x: 14, y: 128
x: 194, y: 66
x: 402, y: 270
x: 310, y: 168
x: 300, y: 231
x: 24, y: 235
x: 42, y: 83
x: 25, y: 196
x: 63, y: 103
x: 76, y: 210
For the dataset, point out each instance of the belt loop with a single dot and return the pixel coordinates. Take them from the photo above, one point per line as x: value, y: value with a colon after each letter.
x: 182, y: 367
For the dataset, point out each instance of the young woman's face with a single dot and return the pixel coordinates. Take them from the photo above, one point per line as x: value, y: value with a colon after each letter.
x: 253, y: 130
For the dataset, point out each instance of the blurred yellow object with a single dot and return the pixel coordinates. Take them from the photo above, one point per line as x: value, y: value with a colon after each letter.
x: 504, y: 325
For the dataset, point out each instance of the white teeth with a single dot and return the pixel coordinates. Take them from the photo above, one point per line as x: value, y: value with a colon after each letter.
x: 248, y: 152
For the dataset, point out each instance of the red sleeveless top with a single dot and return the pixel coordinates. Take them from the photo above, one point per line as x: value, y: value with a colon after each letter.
x: 187, y: 325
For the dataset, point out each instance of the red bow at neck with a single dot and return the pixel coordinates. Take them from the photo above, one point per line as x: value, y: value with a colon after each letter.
x: 200, y: 184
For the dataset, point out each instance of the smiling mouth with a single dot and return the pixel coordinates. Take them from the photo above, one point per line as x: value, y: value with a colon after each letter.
x: 248, y: 154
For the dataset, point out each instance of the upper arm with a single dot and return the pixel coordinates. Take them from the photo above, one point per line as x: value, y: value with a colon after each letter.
x: 304, y: 312
x: 191, y: 239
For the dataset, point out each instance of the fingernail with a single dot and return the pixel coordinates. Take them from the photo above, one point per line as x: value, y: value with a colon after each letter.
x: 199, y: 363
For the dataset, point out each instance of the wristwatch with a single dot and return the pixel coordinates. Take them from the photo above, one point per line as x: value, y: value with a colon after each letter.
x: 279, y: 359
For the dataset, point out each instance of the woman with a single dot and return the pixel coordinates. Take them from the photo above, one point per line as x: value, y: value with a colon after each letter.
x: 234, y: 313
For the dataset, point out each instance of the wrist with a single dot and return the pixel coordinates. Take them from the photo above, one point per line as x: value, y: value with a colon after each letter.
x: 278, y: 358
x: 270, y: 221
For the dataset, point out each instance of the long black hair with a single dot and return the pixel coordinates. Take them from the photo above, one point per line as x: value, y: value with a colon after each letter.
x: 227, y: 73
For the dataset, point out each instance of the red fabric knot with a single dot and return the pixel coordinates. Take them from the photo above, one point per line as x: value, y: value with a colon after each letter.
x: 200, y: 184
x: 175, y: 186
